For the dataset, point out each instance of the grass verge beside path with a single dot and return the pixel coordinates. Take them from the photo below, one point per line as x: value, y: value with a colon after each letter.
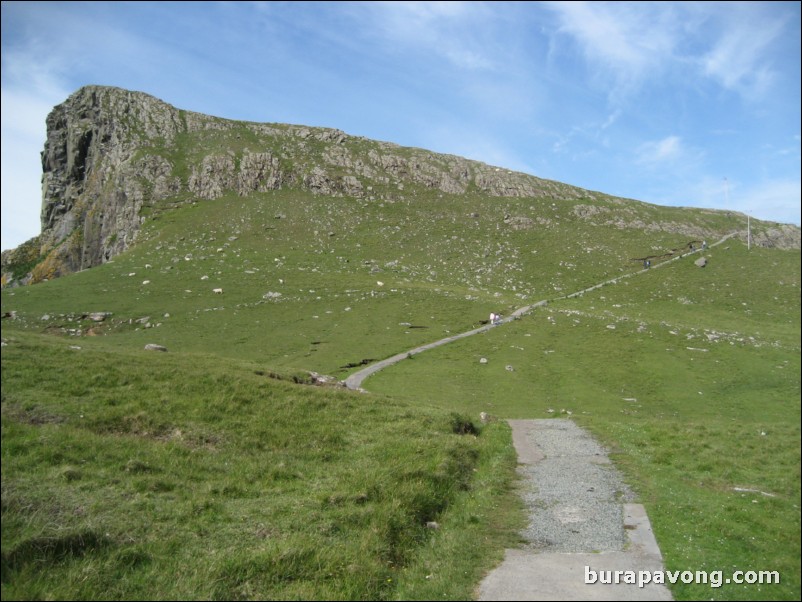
x: 156, y: 475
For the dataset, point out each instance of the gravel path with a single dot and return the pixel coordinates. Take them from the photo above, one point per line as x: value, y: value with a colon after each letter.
x: 574, y: 494
x: 581, y: 518
x: 355, y: 380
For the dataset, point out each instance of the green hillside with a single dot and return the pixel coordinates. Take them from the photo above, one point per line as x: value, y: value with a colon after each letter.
x: 213, y: 471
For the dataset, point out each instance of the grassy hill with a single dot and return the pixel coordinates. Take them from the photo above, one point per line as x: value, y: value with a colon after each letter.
x: 210, y: 472
x: 690, y: 376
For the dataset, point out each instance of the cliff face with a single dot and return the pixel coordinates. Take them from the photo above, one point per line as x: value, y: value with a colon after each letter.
x: 94, y: 179
x: 110, y: 153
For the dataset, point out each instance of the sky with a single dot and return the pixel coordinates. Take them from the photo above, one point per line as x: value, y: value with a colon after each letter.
x: 693, y: 104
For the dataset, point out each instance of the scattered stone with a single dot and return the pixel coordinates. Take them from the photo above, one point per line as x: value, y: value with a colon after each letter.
x: 483, y: 360
x: 701, y: 262
x: 748, y: 490
x: 155, y: 347
x: 509, y: 368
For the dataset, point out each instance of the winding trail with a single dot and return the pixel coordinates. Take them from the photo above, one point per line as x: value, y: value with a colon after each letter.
x: 354, y: 381
x: 586, y: 539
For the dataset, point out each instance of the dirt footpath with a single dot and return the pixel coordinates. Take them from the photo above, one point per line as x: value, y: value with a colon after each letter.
x: 583, y: 525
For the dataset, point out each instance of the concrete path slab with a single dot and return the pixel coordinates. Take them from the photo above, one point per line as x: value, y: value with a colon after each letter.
x: 583, y: 527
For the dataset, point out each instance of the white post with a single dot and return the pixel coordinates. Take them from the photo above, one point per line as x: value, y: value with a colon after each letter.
x: 748, y: 233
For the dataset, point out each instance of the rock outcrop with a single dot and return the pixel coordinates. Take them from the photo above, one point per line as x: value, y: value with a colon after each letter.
x: 95, y: 177
x: 113, y: 156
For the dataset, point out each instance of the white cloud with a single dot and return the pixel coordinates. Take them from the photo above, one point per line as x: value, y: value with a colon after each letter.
x: 21, y: 196
x: 590, y: 135
x: 739, y: 58
x: 451, y: 30
x: 660, y: 151
x: 624, y: 42
x: 31, y: 88
x: 611, y: 119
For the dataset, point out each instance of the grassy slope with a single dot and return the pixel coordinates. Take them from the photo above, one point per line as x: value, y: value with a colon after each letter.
x: 691, y: 378
x: 136, y: 475
x: 442, y: 271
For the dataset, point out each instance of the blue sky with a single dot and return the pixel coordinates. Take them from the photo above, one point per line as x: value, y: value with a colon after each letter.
x: 691, y: 104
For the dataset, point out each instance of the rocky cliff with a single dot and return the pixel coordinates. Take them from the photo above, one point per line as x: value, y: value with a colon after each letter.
x: 114, y: 156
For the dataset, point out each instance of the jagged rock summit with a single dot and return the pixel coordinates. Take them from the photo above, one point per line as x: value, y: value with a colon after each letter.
x: 114, y: 156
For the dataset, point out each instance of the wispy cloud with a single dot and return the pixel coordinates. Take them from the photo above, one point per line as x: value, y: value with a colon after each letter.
x: 626, y: 44
x: 32, y: 85
x: 669, y: 149
x: 623, y: 42
x: 591, y: 135
x: 449, y: 30
x: 739, y: 58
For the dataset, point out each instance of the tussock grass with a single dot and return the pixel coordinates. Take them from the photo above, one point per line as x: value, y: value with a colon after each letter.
x: 146, y: 475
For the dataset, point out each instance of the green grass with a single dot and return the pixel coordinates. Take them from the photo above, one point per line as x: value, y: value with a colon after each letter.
x: 150, y: 475
x: 424, y: 262
x: 689, y: 377
x: 194, y: 474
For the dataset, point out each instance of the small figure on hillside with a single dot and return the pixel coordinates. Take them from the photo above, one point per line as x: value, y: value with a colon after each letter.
x: 690, y: 244
x: 496, y: 318
x: 647, y: 263
x: 704, y: 245
x: 492, y: 318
